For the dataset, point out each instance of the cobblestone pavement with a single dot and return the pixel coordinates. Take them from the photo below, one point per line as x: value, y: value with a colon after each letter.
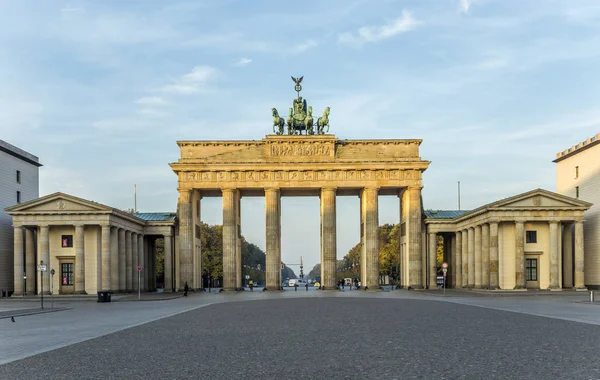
x: 347, y: 334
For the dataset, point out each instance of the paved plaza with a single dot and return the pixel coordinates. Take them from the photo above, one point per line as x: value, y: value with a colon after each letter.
x: 302, y: 335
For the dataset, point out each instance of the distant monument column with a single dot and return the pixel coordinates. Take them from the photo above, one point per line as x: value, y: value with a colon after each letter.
x: 273, y: 232
x: 457, y: 250
x: 186, y: 237
x: 554, y: 255
x: 432, y: 260
x: 106, y: 263
x: 370, y: 250
x: 168, y: 264
x: 478, y: 257
x: 494, y: 263
x: 465, y: 258
x: 328, y: 238
x: 45, y: 256
x: 579, y: 267
x: 18, y: 263
x: 128, y: 262
x: 411, y: 202
x: 519, y: 255
x: 485, y: 256
x: 229, y: 239
x: 238, y: 239
x: 471, y: 253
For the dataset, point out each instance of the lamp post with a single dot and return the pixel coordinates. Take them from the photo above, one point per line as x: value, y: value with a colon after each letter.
x: 24, y: 282
x: 52, y: 287
x: 41, y: 269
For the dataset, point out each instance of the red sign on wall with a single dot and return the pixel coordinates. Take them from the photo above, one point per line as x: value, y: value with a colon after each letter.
x: 65, y: 280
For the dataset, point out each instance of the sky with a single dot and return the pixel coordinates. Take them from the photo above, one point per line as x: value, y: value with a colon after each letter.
x: 101, y: 91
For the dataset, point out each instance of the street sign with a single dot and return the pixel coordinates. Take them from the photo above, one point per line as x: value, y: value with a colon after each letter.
x: 445, y: 265
x: 444, y: 270
x: 139, y: 268
x: 42, y: 268
x: 52, y: 272
x: 247, y: 277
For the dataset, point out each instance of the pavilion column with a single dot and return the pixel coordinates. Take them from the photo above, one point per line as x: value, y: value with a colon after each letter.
x: 370, y: 250
x: 19, y: 265
x: 567, y: 247
x: 229, y: 239
x: 432, y: 260
x: 30, y: 267
x: 134, y: 261
x: 45, y: 256
x: 554, y: 255
x: 494, y: 262
x: 478, y: 257
x: 579, y: 256
x: 465, y: 258
x: 457, y: 249
x: 471, y: 249
x: 148, y: 269
x: 328, y: 238
x: 141, y: 261
x: 114, y: 259
x: 485, y: 256
x: 168, y: 250
x: 273, y: 232
x: 106, y: 268
x: 122, y: 261
x: 520, y: 255
x: 128, y: 261
x: 80, y: 259
x: 238, y: 239
x: 453, y: 267
x: 186, y: 238
x: 415, y: 269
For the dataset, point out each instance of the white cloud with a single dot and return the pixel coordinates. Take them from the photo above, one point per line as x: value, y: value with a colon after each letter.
x: 242, y: 62
x: 465, y: 5
x: 151, y: 101
x: 192, y: 82
x: 366, y: 34
x: 304, y: 46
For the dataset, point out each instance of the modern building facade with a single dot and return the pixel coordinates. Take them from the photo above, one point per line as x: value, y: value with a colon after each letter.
x: 532, y: 240
x: 578, y: 176
x: 19, y: 182
x: 90, y: 246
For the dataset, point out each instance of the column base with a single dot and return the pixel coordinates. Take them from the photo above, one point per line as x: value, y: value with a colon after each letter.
x: 45, y: 293
x: 415, y: 287
x: 519, y: 287
x: 555, y: 289
x: 584, y: 289
x: 478, y: 287
x: 84, y: 292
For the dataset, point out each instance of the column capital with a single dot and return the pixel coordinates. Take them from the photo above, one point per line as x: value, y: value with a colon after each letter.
x: 414, y: 187
x: 272, y: 189
x: 80, y: 225
x: 228, y: 189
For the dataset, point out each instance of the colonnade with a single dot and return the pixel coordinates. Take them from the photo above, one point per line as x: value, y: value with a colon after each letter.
x: 369, y: 221
x: 118, y: 254
x: 475, y: 255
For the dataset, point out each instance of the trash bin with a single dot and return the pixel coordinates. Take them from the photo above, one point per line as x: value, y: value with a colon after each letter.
x: 103, y: 296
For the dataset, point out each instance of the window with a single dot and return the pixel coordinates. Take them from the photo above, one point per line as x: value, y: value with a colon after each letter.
x: 18, y: 176
x: 577, y: 192
x: 66, y: 273
x: 530, y: 269
x: 530, y: 236
x: 576, y: 171
x: 18, y: 196
x: 66, y: 241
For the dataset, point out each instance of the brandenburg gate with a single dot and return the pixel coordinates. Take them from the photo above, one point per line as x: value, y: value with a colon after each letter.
x: 309, y: 164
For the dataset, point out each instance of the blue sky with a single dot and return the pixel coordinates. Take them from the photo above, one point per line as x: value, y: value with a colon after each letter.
x: 101, y: 90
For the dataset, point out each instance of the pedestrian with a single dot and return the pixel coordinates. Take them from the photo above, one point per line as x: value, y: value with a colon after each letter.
x: 251, y: 284
x: 185, y: 289
x: 343, y: 284
x: 306, y: 286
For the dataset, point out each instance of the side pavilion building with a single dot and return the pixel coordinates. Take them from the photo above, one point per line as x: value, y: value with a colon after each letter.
x: 532, y: 240
x: 91, y: 247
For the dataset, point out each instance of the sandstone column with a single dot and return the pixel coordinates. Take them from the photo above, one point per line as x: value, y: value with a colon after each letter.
x: 478, y: 257
x: 465, y: 258
x: 106, y: 263
x: 567, y: 255
x: 432, y: 260
x: 141, y: 261
x: 520, y: 255
x: 471, y: 252
x: 328, y: 238
x: 168, y: 263
x: 79, y: 259
x: 485, y: 256
x: 494, y: 264
x: 458, y: 253
x: 229, y: 239
x: 128, y: 261
x: 19, y: 266
x: 134, y: 261
x: 414, y: 237
x: 579, y: 256
x: 45, y: 256
x: 273, y: 232
x: 148, y: 269
x: 114, y: 259
x: 554, y: 255
x: 186, y: 238
x: 122, y: 261
x: 238, y: 239
x: 30, y: 267
x: 370, y: 249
